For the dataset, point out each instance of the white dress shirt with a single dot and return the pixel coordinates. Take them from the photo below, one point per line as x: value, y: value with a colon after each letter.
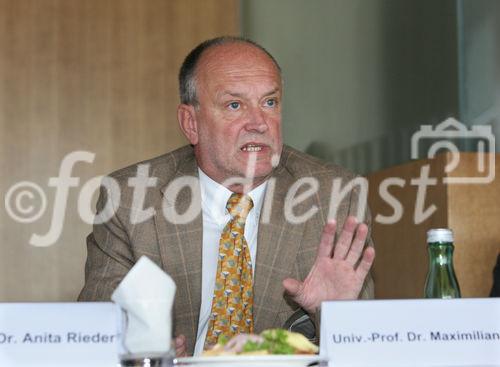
x: 215, y: 217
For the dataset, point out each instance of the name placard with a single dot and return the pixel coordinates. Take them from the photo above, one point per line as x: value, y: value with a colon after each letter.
x: 427, y: 332
x: 59, y: 334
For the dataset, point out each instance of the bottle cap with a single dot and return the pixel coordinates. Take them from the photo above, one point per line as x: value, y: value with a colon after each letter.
x: 439, y: 235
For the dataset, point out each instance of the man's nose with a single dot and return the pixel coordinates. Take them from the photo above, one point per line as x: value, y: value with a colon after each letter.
x: 257, y: 121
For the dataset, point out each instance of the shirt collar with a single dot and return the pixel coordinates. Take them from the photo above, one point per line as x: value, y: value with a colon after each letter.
x: 214, y: 197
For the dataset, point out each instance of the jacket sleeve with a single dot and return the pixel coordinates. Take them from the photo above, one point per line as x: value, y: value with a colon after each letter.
x: 109, y: 254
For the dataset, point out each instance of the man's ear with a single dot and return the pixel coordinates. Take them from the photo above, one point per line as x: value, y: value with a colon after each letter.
x: 187, y: 121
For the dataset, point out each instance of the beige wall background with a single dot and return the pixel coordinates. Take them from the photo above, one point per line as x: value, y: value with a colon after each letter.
x: 93, y: 75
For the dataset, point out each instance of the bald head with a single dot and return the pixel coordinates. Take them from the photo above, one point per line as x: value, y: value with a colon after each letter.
x: 216, y: 50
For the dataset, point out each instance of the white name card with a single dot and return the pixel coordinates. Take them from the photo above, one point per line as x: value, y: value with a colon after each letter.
x: 427, y: 332
x: 59, y: 334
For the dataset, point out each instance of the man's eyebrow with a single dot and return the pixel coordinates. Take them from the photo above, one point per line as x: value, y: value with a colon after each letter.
x: 239, y: 95
x: 272, y: 92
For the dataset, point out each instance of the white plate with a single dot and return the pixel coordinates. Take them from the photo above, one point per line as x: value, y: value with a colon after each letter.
x: 246, y: 361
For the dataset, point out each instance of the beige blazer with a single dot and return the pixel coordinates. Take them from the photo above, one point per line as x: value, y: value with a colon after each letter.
x: 284, y: 249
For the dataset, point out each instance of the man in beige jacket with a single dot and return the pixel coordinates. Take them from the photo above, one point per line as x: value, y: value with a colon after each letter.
x: 230, y: 112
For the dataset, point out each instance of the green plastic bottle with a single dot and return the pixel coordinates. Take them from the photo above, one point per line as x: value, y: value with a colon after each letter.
x: 441, y: 280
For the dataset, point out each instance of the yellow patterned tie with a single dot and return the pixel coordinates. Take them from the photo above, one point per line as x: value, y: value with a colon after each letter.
x: 232, y: 304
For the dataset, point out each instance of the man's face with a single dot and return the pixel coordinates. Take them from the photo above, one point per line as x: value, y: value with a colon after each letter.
x: 238, y: 119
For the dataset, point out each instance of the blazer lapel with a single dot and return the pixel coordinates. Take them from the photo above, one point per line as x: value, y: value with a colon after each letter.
x: 277, y: 246
x: 180, y: 247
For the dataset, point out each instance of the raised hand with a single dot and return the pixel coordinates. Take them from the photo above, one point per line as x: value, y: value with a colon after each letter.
x: 337, y: 272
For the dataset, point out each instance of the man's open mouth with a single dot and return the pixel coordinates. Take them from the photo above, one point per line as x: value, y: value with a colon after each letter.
x: 251, y: 147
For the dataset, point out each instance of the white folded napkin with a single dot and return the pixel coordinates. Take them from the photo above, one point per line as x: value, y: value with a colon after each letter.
x: 146, y: 294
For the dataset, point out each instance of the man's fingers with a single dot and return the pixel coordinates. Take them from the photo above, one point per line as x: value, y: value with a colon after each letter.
x: 180, y: 341
x: 366, y: 262
x: 326, y: 243
x: 357, y: 244
x: 180, y: 346
x: 292, y: 286
x: 344, y: 241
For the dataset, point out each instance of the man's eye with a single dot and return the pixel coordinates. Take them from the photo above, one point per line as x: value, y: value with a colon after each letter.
x: 234, y: 105
x: 271, y: 103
